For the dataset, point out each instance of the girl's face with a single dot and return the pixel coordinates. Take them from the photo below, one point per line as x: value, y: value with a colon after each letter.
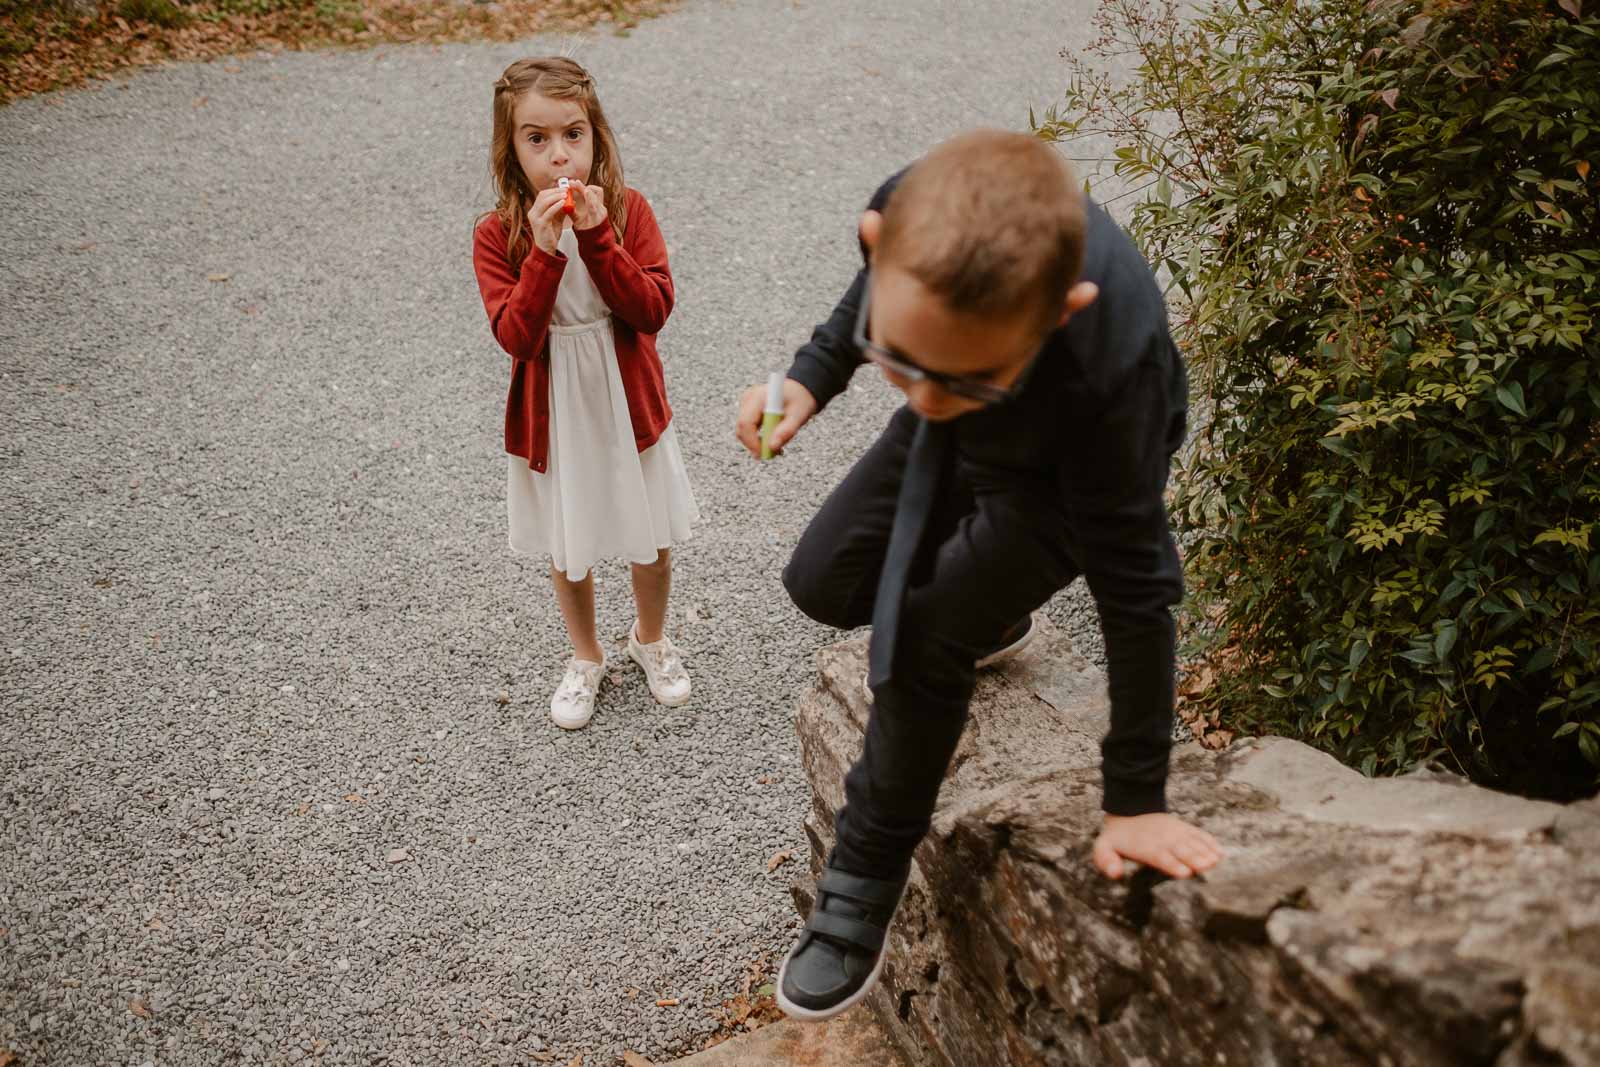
x: 554, y: 140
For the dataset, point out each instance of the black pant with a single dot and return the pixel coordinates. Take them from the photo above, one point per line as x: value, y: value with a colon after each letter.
x: 987, y: 560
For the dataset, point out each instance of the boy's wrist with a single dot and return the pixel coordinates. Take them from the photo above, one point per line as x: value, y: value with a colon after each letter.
x: 813, y: 378
x: 1128, y: 798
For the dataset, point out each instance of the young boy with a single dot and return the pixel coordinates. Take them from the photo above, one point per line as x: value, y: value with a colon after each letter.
x: 1044, y: 401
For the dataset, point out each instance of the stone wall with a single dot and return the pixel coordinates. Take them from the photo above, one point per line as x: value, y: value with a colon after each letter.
x: 1407, y: 921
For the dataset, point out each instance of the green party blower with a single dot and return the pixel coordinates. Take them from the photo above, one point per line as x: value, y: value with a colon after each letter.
x: 774, y: 412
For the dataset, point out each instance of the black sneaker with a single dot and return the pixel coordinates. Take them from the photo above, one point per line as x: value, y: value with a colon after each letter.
x: 1011, y: 644
x: 840, y: 953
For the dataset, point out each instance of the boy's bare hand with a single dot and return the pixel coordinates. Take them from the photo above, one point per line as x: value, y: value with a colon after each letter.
x: 798, y: 407
x: 1157, y: 840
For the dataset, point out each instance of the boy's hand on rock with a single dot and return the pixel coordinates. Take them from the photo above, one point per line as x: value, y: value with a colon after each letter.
x: 798, y: 407
x: 545, y: 219
x: 1157, y: 840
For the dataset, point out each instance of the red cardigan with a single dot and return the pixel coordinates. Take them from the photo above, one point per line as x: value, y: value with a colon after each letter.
x: 635, y: 284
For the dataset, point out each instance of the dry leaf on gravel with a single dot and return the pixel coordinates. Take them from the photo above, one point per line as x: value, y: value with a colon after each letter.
x: 779, y: 859
x: 577, y: 1061
x: 633, y: 1059
x: 753, y: 1007
x: 7, y: 1057
x: 139, y: 1008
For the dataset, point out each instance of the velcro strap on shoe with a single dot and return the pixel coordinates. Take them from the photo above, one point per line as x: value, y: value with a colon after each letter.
x: 873, y: 891
x: 853, y: 931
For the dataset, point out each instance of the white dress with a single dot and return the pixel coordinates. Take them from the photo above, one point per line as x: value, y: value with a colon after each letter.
x: 601, y: 497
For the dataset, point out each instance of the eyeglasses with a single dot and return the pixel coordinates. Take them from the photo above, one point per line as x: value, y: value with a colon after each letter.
x: 984, y: 393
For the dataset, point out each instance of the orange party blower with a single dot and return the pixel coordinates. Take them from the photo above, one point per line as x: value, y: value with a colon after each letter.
x: 565, y: 185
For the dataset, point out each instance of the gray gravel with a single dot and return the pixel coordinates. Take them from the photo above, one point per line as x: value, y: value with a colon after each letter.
x: 276, y: 782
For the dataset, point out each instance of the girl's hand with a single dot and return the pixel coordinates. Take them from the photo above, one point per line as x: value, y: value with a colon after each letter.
x: 1157, y: 840
x: 591, y: 204
x: 546, y: 219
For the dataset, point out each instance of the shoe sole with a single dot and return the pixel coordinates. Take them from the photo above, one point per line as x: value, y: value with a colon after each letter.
x: 1011, y: 651
x: 817, y: 1015
x: 993, y: 659
x: 572, y: 726
x: 664, y: 703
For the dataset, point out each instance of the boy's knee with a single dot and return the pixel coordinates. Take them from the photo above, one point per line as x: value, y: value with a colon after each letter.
x: 817, y: 596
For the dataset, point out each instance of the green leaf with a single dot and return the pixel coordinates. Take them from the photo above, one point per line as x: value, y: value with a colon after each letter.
x: 1511, y: 397
x: 1444, y: 639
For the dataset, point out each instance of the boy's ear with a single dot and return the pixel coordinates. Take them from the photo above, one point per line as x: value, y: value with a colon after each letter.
x: 871, y: 227
x: 1079, y: 297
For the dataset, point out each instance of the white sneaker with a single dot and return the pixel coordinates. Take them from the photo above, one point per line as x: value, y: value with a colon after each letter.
x: 573, y: 704
x: 663, y: 668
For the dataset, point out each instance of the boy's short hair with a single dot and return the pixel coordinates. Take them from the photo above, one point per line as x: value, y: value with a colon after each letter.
x: 991, y: 222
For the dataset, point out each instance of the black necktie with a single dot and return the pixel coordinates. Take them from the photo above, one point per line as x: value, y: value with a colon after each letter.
x: 918, y: 490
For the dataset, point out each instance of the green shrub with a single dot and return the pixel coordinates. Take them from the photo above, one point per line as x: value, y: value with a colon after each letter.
x: 165, y: 13
x: 1380, y: 220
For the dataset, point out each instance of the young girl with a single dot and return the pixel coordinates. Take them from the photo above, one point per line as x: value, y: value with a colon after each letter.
x: 576, y: 285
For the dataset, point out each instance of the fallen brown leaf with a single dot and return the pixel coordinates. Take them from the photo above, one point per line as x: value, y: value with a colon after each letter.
x: 577, y: 1061
x: 139, y: 1008
x: 303, y: 808
x: 355, y: 798
x: 7, y: 1057
x: 155, y: 923
x: 779, y: 859
x: 633, y: 1059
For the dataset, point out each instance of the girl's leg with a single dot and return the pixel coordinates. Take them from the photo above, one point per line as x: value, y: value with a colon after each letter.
x: 652, y: 583
x: 577, y: 611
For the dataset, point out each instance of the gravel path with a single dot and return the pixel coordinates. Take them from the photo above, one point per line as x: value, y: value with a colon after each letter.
x: 276, y: 783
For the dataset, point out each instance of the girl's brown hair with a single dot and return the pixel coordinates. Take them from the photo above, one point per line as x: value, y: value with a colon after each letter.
x: 561, y: 79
